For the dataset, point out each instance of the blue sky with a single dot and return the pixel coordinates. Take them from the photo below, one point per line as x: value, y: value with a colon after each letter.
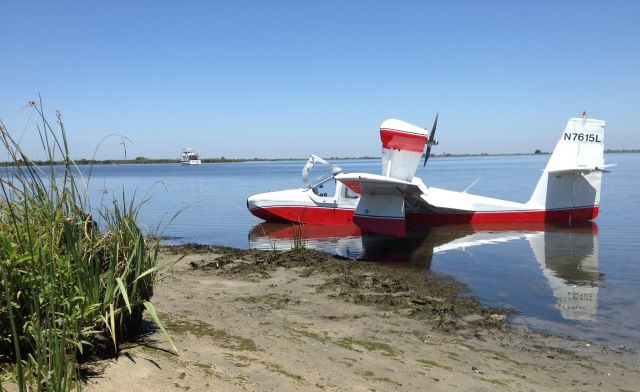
x: 289, y: 78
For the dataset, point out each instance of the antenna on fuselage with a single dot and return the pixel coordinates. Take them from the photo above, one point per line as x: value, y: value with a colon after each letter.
x: 472, y: 184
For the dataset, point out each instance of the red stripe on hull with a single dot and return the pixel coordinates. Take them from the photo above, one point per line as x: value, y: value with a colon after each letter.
x: 402, y: 140
x: 380, y: 225
x: 322, y: 215
x: 302, y: 214
x: 569, y: 215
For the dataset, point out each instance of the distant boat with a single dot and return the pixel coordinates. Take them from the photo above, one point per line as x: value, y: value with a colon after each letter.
x: 190, y: 157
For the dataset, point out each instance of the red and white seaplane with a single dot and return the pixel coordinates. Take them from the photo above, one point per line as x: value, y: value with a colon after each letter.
x: 568, y: 191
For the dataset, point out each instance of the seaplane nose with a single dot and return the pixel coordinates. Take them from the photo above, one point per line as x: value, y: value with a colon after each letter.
x: 252, y: 202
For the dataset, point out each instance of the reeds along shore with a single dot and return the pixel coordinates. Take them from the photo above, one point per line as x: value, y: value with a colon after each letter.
x: 73, y: 281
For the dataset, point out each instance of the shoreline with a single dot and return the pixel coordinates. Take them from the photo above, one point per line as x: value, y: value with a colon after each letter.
x: 305, y: 320
x: 154, y: 161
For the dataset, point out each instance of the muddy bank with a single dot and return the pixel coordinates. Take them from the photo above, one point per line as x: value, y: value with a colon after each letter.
x: 304, y: 320
x: 440, y: 300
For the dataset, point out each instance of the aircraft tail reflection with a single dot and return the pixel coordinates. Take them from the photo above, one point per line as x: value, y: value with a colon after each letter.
x: 567, y: 255
x: 569, y: 262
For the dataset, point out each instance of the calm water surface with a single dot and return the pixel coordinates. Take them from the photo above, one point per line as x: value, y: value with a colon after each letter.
x: 581, y: 282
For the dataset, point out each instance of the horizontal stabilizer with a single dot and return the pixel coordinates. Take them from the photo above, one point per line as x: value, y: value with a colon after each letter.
x: 601, y: 168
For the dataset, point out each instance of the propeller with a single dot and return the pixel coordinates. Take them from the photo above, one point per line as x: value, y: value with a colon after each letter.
x: 431, y: 142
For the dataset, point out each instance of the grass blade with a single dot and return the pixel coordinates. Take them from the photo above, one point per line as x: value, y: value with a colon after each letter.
x: 123, y: 291
x: 156, y: 319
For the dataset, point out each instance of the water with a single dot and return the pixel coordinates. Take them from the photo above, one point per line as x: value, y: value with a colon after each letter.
x: 580, y: 282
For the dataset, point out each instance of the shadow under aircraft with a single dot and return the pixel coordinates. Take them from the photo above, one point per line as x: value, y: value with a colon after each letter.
x: 567, y: 255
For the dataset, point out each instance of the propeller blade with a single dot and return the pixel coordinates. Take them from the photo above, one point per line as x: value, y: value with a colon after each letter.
x: 426, y: 156
x: 430, y: 141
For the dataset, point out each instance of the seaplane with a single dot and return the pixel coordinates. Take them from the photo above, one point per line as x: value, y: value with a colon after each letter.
x: 388, y: 203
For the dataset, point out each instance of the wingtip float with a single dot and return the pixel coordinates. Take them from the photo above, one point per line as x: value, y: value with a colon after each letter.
x: 567, y: 192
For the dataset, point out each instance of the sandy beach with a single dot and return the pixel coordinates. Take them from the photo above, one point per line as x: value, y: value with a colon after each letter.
x: 304, y: 320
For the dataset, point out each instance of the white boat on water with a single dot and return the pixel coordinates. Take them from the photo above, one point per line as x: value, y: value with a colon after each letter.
x: 190, y: 157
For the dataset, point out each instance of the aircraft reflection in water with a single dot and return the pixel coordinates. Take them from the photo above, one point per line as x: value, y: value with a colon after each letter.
x: 342, y: 240
x: 567, y: 255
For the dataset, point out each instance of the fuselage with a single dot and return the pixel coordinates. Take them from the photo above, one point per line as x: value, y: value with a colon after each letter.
x: 437, y: 206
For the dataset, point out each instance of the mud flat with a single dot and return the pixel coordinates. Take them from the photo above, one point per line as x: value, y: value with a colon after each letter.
x: 304, y: 320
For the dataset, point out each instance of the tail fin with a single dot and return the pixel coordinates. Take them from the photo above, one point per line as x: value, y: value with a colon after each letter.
x: 573, y: 175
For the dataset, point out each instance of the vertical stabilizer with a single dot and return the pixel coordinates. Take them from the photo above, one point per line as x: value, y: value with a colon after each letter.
x: 572, y: 178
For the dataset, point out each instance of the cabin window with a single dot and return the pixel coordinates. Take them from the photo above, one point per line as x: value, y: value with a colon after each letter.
x: 326, y: 189
x: 349, y: 194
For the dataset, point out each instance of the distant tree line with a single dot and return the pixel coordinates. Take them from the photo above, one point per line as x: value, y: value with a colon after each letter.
x: 623, y: 150
x: 145, y: 160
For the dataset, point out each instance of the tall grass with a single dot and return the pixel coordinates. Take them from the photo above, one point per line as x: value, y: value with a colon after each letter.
x: 299, y: 237
x: 69, y: 287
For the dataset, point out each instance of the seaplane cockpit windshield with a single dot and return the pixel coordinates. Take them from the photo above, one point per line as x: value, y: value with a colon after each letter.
x: 317, y: 175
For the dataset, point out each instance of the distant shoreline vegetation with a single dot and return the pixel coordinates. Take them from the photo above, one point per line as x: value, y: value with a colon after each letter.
x: 147, y: 161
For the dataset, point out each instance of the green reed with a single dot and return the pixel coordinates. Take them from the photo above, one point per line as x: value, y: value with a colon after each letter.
x: 69, y: 287
x: 299, y: 237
